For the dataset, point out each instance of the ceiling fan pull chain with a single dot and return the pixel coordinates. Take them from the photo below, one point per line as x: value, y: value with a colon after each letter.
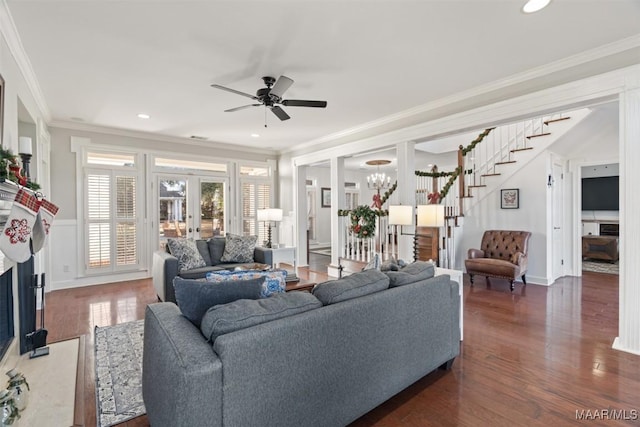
x: 265, y: 116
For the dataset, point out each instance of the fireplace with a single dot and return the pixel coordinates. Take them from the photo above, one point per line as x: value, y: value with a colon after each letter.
x: 6, y: 311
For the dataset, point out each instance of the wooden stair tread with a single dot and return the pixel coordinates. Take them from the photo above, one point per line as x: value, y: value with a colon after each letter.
x: 538, y: 135
x: 521, y: 149
x: 505, y: 163
x: 546, y: 122
x: 476, y: 186
x: 491, y: 174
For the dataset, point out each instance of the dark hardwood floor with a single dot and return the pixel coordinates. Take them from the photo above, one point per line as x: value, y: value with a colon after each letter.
x: 537, y: 356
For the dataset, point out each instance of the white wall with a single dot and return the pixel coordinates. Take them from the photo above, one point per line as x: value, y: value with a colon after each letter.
x: 16, y: 90
x: 531, y: 216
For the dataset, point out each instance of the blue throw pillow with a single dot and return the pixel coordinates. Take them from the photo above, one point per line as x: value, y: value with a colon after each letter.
x: 195, y: 297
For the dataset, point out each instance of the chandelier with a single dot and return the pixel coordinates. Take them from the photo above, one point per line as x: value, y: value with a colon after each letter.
x: 378, y: 181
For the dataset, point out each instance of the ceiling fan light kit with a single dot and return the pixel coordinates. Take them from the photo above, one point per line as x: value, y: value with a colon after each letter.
x: 271, y: 97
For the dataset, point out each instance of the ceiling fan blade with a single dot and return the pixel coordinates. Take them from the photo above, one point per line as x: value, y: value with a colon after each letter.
x: 237, y: 92
x: 303, y: 103
x: 231, y: 110
x: 280, y: 113
x: 280, y: 87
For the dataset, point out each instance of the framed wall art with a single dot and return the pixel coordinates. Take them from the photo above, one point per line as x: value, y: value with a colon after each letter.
x: 326, y: 197
x: 510, y: 198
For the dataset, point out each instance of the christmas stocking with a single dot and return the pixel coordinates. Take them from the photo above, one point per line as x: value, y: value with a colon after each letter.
x: 44, y: 219
x: 15, y: 238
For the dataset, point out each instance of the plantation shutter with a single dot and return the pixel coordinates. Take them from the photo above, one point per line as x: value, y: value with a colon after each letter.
x: 112, y: 221
x: 98, y: 214
x: 255, y: 195
x: 126, y: 247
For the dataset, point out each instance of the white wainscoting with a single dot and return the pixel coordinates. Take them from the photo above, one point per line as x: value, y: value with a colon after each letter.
x: 65, y: 265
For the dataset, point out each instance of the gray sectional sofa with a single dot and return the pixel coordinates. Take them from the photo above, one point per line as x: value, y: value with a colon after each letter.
x: 325, y: 366
x: 165, y: 266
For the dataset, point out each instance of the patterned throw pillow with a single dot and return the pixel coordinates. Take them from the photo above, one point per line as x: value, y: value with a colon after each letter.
x: 239, y: 248
x: 187, y: 253
x: 374, y: 264
x: 274, y: 279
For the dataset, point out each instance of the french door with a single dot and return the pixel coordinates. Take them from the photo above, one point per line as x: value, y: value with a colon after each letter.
x: 190, y: 207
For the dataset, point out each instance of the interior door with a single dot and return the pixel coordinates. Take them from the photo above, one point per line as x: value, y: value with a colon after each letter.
x: 557, y: 219
x: 190, y: 207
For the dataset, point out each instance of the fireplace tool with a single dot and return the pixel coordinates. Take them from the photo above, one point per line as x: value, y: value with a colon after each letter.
x: 37, y: 340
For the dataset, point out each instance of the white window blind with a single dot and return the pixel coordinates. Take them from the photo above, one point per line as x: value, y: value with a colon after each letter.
x: 255, y: 195
x: 112, y: 220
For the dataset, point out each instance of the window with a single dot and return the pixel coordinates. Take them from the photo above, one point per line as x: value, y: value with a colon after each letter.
x: 190, y: 164
x: 256, y: 182
x: 255, y: 195
x: 112, y: 222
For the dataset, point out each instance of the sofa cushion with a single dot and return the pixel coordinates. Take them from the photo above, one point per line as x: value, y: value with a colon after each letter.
x: 186, y: 252
x: 493, y: 267
x: 241, y: 314
x: 203, y: 248
x: 200, y: 272
x: 239, y: 248
x: 411, y: 273
x: 195, y: 297
x: 216, y: 249
x: 274, y: 279
x: 353, y: 286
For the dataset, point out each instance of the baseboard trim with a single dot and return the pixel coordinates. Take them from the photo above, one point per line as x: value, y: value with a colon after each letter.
x: 99, y: 280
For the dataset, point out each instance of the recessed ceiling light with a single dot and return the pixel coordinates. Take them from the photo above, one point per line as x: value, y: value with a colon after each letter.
x: 535, y: 5
x: 143, y: 116
x: 255, y: 135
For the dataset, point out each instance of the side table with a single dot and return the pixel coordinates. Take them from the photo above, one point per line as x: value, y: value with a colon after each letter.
x: 456, y: 276
x: 287, y: 254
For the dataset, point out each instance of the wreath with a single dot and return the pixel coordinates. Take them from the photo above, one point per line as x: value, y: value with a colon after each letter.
x: 363, y: 221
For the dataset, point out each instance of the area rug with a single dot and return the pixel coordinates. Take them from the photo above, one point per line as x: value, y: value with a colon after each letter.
x: 601, y: 267
x: 119, y: 373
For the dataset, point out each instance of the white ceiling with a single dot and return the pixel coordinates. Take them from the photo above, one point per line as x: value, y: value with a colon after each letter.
x: 103, y: 62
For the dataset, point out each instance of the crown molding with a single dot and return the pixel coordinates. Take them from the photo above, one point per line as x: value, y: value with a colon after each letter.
x: 11, y: 36
x: 523, y: 77
x: 61, y: 124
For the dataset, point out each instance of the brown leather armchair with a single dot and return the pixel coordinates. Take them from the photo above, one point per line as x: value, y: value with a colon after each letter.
x: 503, y: 255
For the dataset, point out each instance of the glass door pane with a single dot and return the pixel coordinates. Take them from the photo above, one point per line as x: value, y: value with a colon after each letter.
x: 212, y: 206
x: 172, y: 197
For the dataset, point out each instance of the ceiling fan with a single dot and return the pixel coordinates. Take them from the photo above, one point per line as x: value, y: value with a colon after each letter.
x: 271, y: 97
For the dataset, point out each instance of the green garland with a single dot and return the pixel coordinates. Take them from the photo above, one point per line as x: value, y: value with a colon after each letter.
x: 388, y: 193
x: 475, y: 141
x: 434, y: 174
x: 6, y: 158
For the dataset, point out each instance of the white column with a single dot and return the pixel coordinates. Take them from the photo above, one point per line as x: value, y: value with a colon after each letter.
x: 406, y: 194
x: 300, y: 208
x: 338, y: 201
x: 629, y: 316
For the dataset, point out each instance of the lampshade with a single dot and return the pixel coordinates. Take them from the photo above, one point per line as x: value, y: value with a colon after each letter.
x: 271, y: 214
x: 431, y: 216
x: 400, y: 215
x: 275, y: 214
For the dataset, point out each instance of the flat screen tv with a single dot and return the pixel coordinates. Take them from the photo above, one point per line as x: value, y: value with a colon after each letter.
x: 600, y: 194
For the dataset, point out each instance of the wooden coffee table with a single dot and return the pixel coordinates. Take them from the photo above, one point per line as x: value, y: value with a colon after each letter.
x: 300, y: 285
